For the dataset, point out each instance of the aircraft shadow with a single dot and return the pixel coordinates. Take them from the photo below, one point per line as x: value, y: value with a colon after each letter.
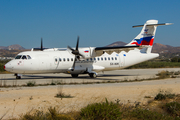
x: 99, y: 77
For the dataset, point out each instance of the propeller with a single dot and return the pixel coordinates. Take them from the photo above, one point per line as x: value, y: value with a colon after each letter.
x: 41, y: 44
x: 75, y: 52
x: 41, y: 48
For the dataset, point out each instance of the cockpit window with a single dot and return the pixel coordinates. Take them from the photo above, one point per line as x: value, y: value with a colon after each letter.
x: 28, y: 57
x: 24, y: 57
x: 18, y: 57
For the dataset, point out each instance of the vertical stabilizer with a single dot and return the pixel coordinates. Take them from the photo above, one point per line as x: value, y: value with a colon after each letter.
x: 146, y: 36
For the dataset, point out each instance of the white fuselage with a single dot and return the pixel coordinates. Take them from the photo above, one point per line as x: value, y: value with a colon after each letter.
x: 62, y: 62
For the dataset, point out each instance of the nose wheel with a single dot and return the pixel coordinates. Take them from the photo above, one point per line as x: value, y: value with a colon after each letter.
x: 17, y: 76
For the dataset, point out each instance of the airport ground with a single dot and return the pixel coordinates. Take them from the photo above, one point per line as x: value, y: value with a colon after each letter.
x: 18, y: 100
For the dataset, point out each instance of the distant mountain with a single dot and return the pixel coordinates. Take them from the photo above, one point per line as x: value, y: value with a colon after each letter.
x: 157, y: 47
x: 12, y: 47
x: 118, y: 43
x: 160, y: 48
x: 2, y: 47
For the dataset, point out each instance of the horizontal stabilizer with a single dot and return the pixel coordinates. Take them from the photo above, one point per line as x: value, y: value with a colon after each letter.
x: 153, y: 25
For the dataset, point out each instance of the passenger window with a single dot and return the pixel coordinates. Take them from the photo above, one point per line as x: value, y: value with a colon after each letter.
x: 28, y: 57
x: 108, y: 58
x: 112, y: 58
x: 24, y: 57
x: 87, y: 59
x: 102, y: 59
x: 94, y: 59
x: 64, y: 59
x: 98, y: 59
x: 105, y: 58
x: 71, y: 59
x: 67, y: 59
x: 18, y: 57
x: 91, y: 59
x: 115, y: 58
x: 60, y: 59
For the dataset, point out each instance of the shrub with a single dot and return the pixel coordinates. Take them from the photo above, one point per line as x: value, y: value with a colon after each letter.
x: 52, y: 83
x: 160, y: 96
x: 104, y: 111
x: 31, y: 83
x: 52, y: 114
x: 148, y: 115
x: 173, y: 108
x: 164, y: 74
x: 163, y: 96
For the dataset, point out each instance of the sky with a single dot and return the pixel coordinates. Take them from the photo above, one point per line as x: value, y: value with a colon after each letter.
x: 97, y: 22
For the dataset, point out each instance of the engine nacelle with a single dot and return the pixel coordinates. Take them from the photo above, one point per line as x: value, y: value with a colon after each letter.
x: 88, y: 52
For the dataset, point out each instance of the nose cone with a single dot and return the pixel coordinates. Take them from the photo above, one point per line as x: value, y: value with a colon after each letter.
x: 8, y: 67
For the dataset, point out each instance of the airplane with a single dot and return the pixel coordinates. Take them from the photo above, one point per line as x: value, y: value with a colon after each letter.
x: 86, y: 60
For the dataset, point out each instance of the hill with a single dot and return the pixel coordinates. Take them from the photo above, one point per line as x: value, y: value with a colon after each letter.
x: 118, y: 43
x: 157, y: 47
x: 12, y: 47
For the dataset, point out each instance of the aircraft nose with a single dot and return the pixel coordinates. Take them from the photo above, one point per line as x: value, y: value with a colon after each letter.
x: 7, y: 67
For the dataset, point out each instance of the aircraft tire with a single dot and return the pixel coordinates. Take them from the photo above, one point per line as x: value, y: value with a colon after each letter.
x: 74, y: 75
x: 18, y: 77
x: 92, y: 75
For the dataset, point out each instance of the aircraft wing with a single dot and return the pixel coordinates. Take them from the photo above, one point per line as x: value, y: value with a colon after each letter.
x: 118, y: 49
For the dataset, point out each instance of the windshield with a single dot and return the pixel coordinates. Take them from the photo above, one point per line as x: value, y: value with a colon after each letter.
x: 24, y: 57
x: 18, y: 57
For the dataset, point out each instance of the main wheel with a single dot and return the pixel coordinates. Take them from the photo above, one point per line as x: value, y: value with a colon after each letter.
x: 74, y: 75
x: 18, y: 77
x: 92, y: 75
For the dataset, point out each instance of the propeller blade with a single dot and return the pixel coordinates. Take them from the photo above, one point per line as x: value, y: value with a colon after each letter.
x: 77, y: 45
x: 70, y: 48
x: 73, y: 67
x: 41, y: 44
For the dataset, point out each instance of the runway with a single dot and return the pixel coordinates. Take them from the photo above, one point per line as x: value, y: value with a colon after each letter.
x: 117, y: 75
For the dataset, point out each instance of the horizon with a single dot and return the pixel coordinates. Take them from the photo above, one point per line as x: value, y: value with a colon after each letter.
x: 91, y: 46
x: 98, y: 23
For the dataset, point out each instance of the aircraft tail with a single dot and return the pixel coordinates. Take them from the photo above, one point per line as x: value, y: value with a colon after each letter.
x: 147, y: 34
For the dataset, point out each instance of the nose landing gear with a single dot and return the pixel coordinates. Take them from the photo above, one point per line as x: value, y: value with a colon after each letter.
x: 18, y: 76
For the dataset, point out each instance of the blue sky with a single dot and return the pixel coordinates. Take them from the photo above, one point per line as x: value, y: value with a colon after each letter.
x: 97, y: 22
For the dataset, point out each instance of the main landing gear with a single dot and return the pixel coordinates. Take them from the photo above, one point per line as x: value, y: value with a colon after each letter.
x: 91, y: 75
x: 17, y: 76
x: 74, y: 75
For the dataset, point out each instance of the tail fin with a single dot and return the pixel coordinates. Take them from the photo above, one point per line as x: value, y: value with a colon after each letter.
x: 146, y: 36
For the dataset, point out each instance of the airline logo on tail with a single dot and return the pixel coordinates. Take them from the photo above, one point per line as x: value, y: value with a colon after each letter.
x: 144, y: 41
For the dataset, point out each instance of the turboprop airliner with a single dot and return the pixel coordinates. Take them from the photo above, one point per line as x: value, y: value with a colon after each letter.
x: 87, y: 60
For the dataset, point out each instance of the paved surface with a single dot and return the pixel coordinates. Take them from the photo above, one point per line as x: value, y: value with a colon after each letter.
x: 118, y: 75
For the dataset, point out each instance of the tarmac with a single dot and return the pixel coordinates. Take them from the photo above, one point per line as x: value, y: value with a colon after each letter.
x: 117, y: 75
